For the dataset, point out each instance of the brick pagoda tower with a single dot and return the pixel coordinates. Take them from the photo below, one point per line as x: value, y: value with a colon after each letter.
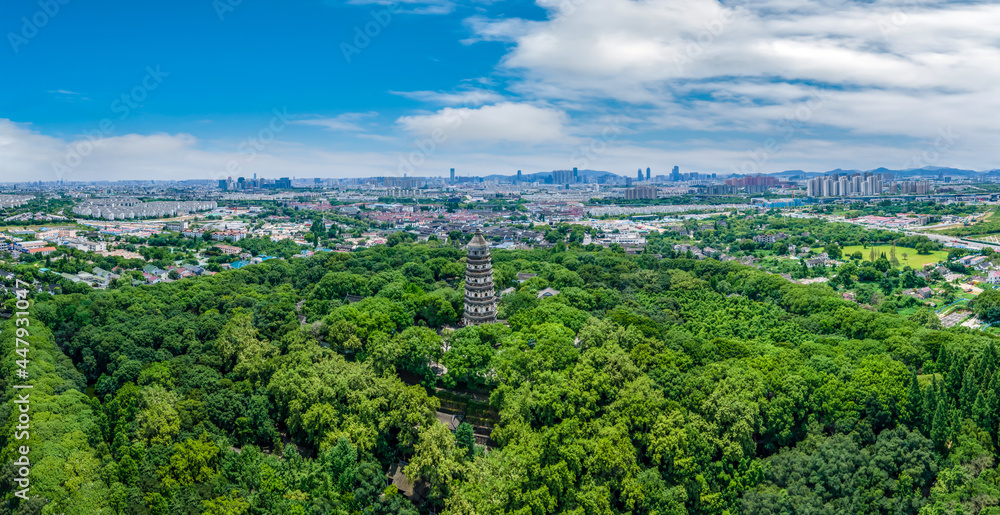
x: 480, y: 297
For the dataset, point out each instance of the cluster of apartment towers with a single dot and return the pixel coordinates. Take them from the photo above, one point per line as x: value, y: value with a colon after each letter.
x: 862, y: 185
x: 573, y: 177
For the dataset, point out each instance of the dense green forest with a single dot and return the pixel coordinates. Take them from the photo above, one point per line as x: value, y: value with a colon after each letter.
x: 646, y: 386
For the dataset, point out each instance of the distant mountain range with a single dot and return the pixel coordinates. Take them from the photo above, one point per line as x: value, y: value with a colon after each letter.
x: 927, y: 171
x: 538, y: 175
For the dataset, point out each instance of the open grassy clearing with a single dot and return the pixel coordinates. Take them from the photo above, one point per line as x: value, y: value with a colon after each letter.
x: 914, y: 260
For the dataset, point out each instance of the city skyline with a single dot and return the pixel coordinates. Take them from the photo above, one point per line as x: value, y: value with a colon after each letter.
x: 371, y: 88
x: 565, y: 176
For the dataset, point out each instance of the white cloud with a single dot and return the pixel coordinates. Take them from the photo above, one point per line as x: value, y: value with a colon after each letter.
x: 503, y: 122
x: 348, y: 122
x: 475, y: 97
x: 892, y: 69
x: 68, y: 96
x: 411, y: 6
x: 27, y: 155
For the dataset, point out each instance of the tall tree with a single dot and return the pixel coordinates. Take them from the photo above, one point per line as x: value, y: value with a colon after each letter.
x: 465, y: 438
x: 953, y: 381
x: 930, y: 405
x: 987, y: 363
x: 436, y: 460
x: 940, y: 426
x: 967, y: 396
x: 942, y: 363
x: 915, y: 400
x: 979, y: 411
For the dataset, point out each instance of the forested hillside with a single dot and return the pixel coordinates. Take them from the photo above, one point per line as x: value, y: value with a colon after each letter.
x: 646, y: 386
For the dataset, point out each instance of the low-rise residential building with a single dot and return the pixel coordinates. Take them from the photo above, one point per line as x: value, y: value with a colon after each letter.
x: 229, y: 249
x: 972, y: 260
x: 769, y: 238
x: 815, y: 262
x: 229, y: 234
x: 41, y: 251
x: 87, y: 245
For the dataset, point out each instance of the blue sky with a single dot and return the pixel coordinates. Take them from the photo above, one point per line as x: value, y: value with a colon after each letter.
x: 212, y: 88
x: 261, y: 55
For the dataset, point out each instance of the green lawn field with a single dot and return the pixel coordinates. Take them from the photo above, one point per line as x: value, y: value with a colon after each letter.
x: 914, y: 260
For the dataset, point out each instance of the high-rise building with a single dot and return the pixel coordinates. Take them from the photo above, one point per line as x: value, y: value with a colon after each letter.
x: 915, y: 187
x: 716, y: 189
x: 480, y: 296
x: 453, y: 176
x: 576, y: 176
x: 403, y: 182
x: 641, y: 192
x: 563, y: 176
x: 855, y: 185
x: 640, y: 175
x: 647, y: 173
x: 675, y: 174
x: 519, y: 176
x: 756, y: 180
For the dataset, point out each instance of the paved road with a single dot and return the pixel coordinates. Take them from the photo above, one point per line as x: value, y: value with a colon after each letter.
x: 947, y: 239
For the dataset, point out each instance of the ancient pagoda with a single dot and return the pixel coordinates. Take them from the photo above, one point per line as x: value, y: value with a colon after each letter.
x: 480, y: 297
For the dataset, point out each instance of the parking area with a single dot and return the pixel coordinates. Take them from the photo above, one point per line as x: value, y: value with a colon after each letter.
x: 954, y: 318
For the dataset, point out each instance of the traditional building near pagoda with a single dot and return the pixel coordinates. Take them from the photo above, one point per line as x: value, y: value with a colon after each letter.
x: 480, y: 297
